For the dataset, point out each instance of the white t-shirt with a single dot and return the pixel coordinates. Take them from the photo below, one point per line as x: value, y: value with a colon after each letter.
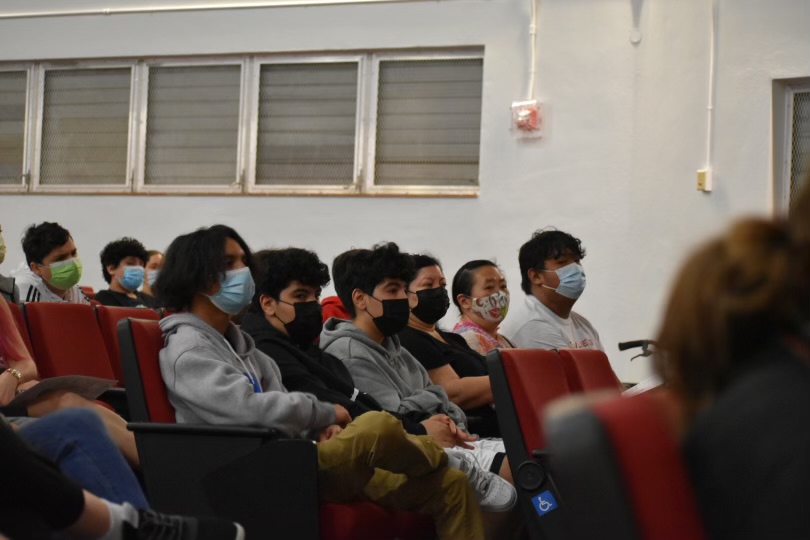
x: 537, y: 327
x: 33, y: 289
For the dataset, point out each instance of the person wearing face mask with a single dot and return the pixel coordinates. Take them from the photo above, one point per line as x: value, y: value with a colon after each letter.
x: 448, y: 359
x: 482, y: 297
x: 52, y: 269
x: 8, y: 289
x: 285, y: 321
x: 372, y: 284
x: 122, y: 264
x: 153, y: 263
x: 553, y: 279
x: 214, y: 374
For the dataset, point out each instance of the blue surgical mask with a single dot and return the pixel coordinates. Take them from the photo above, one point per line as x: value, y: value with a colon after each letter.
x: 572, y: 280
x: 132, y: 278
x: 235, y: 291
x: 151, y: 277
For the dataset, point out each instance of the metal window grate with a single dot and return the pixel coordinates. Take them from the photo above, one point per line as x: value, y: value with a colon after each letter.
x: 307, y: 124
x: 429, y: 122
x: 192, y: 125
x: 800, y: 148
x: 12, y: 126
x: 85, y: 127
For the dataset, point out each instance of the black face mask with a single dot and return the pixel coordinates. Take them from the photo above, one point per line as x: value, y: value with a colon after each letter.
x: 433, y: 305
x: 394, y: 318
x: 305, y: 328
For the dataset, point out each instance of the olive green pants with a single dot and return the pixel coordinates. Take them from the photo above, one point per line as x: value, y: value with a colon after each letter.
x: 374, y: 459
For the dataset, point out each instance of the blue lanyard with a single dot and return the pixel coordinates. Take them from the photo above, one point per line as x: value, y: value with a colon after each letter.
x: 254, y: 380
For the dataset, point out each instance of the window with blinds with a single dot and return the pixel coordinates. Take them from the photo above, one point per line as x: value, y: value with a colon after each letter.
x: 85, y: 127
x: 307, y: 124
x: 428, y: 122
x: 800, y: 147
x: 192, y: 128
x: 12, y: 125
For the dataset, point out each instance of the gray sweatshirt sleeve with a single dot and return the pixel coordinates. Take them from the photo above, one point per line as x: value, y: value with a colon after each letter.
x: 219, y: 393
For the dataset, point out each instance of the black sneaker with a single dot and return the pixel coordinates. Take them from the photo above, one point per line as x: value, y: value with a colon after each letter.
x: 155, y: 526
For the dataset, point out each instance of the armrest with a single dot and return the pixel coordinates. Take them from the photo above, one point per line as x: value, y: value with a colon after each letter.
x: 202, y: 429
x: 117, y: 399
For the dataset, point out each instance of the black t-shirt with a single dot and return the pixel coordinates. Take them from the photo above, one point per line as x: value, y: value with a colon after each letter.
x: 433, y: 354
x: 749, y: 455
x: 111, y: 298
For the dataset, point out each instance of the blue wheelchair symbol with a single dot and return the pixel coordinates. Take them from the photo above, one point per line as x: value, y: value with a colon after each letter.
x: 544, y: 503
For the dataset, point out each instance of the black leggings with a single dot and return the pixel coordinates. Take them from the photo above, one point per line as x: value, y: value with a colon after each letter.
x: 34, y: 491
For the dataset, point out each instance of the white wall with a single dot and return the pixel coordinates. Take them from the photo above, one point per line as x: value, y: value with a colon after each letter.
x: 627, y: 134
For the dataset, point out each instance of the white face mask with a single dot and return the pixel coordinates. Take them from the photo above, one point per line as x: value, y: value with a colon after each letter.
x: 492, y: 308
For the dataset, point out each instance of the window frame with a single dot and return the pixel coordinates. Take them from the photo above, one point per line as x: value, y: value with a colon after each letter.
x: 140, y: 185
x: 23, y: 185
x: 352, y: 188
x: 250, y: 64
x: 372, y: 105
x: 36, y: 156
x: 784, y: 192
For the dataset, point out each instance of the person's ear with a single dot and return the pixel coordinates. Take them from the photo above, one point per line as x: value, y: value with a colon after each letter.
x: 268, y: 304
x: 360, y: 300
x: 464, y: 302
x: 111, y: 268
x: 38, y: 269
x: 536, y: 277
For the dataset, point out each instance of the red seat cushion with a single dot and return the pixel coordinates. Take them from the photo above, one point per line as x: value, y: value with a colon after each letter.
x: 536, y: 378
x: 412, y: 526
x: 67, y: 340
x: 108, y: 317
x: 21, y: 326
x: 589, y: 370
x: 654, y: 474
x: 148, y: 341
x: 355, y: 521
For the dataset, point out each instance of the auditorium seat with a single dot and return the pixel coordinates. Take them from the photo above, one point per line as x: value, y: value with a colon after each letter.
x: 67, y: 340
x: 19, y: 320
x: 619, y: 467
x: 108, y: 317
x: 589, y: 370
x: 180, y: 478
x: 524, y: 382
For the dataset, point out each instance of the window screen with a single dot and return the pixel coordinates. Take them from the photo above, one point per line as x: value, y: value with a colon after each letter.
x: 800, y: 151
x: 85, y: 125
x: 192, y: 128
x: 429, y: 122
x: 307, y: 121
x: 12, y: 126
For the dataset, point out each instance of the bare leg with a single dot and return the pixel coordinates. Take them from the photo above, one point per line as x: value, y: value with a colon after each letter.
x: 505, y: 471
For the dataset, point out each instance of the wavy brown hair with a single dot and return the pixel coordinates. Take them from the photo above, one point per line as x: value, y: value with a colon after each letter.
x: 734, y: 296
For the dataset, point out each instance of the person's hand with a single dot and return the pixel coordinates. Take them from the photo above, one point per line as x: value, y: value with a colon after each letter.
x: 329, y: 432
x: 463, y: 438
x: 438, y: 427
x: 26, y: 385
x: 8, y: 387
x: 342, y: 416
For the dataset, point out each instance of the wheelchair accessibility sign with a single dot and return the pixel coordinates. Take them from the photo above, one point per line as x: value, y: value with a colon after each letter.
x: 544, y: 503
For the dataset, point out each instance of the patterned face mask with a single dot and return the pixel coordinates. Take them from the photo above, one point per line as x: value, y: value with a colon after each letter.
x: 492, y: 308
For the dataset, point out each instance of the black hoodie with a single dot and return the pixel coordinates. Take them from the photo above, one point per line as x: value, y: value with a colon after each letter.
x: 315, y: 372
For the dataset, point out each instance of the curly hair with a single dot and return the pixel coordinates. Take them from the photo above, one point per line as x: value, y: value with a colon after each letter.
x: 39, y: 240
x: 364, y: 269
x: 115, y: 252
x: 275, y: 269
x: 546, y: 244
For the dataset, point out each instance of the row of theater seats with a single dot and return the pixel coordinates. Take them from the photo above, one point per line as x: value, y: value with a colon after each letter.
x: 590, y: 466
x: 608, y: 469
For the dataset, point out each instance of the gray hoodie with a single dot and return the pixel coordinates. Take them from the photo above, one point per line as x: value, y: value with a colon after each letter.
x: 206, y: 375
x: 387, y: 372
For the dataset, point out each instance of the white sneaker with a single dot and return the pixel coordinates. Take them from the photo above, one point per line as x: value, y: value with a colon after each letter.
x: 494, y: 493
